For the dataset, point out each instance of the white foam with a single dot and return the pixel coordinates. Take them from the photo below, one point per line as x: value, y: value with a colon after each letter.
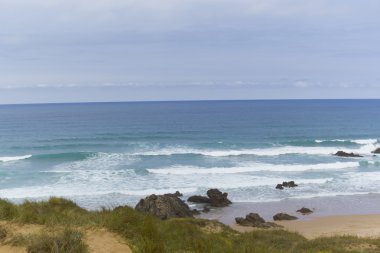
x: 64, y: 191
x: 357, y: 141
x: 259, y: 152
x: 100, y: 161
x: 252, y: 167
x: 14, y: 158
x: 367, y: 146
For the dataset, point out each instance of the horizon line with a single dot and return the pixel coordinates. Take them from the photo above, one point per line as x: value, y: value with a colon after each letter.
x: 179, y: 101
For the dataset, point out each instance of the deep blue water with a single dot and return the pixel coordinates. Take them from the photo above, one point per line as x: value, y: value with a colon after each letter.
x: 115, y: 153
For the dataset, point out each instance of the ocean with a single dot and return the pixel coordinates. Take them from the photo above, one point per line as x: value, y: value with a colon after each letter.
x: 109, y: 154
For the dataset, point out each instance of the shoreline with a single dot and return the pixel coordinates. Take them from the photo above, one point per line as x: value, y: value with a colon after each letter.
x: 366, y: 225
x: 356, y: 215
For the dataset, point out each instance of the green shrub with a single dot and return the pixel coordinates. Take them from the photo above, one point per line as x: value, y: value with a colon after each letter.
x: 8, y: 210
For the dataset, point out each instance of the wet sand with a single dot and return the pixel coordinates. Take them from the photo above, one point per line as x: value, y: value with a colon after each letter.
x: 356, y: 225
x: 357, y: 215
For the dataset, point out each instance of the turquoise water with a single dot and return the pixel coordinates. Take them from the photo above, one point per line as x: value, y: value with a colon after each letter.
x: 115, y: 153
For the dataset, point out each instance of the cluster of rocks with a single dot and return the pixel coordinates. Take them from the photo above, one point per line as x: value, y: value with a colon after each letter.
x: 214, y: 198
x: 171, y: 206
x: 290, y: 184
x: 255, y: 220
x: 345, y: 154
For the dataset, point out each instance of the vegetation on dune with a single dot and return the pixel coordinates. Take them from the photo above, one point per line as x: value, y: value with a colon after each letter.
x: 57, y: 242
x: 147, y: 234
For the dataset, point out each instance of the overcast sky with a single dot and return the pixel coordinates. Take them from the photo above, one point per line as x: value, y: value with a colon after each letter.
x: 122, y: 50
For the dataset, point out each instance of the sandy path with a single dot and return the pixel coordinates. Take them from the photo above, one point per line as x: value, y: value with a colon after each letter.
x: 98, y: 240
x: 11, y: 249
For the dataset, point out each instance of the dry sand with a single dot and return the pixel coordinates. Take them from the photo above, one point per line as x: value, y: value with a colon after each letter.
x: 357, y: 225
x: 98, y: 240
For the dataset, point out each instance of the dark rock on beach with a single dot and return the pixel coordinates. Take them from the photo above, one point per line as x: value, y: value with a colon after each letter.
x: 305, y: 210
x: 254, y: 220
x: 284, y: 216
x: 206, y: 209
x: 164, y: 206
x: 289, y: 184
x: 376, y: 151
x: 199, y: 199
x: 345, y: 154
x: 218, y: 198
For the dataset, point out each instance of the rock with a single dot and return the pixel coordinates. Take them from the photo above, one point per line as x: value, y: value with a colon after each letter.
x: 376, y: 151
x: 206, y: 209
x: 254, y: 220
x: 305, y: 210
x: 284, y: 216
x: 279, y: 186
x: 196, y: 212
x: 199, y: 199
x: 218, y: 198
x: 251, y: 220
x: 289, y: 184
x: 345, y: 154
x: 164, y: 206
x: 243, y: 222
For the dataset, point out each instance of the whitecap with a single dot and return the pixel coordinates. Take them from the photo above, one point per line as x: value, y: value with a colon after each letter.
x: 14, y: 158
x: 252, y: 167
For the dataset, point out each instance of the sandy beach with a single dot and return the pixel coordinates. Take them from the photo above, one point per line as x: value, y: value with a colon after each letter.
x: 356, y: 225
x: 357, y: 215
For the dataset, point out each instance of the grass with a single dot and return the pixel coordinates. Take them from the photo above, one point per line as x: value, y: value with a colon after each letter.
x: 58, y: 241
x: 147, y: 234
x: 69, y: 241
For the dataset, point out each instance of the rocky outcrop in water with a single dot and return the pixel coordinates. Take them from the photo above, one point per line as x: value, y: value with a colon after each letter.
x: 290, y: 184
x: 254, y: 220
x: 345, y: 154
x: 304, y: 211
x: 279, y: 186
x: 284, y: 216
x: 214, y: 198
x: 218, y: 198
x: 376, y: 151
x: 164, y: 206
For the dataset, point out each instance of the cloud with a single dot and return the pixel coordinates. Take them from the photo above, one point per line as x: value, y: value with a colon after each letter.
x: 260, y: 44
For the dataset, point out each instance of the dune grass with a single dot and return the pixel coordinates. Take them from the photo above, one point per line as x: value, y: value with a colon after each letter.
x: 147, y: 234
x: 68, y: 240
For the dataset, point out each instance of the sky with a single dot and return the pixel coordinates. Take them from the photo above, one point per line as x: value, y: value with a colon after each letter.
x: 133, y: 50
